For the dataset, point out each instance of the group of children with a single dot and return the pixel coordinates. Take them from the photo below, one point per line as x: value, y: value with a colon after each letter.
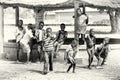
x: 48, y: 45
x: 100, y: 52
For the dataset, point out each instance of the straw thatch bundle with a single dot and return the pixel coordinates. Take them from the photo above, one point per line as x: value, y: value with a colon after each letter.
x: 61, y: 3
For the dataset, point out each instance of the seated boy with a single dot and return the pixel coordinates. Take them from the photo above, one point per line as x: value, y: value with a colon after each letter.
x: 102, y: 52
x: 71, y: 54
x: 60, y: 38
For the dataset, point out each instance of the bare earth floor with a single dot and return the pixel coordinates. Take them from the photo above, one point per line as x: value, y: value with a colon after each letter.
x: 10, y: 70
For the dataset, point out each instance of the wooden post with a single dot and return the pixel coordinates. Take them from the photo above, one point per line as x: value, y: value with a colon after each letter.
x: 16, y: 15
x: 39, y: 15
x: 1, y: 30
x: 117, y: 16
x: 84, y: 9
x: 76, y: 6
x: 112, y: 21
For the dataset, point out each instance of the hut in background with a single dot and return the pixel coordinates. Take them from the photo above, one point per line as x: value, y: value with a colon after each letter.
x: 40, y: 6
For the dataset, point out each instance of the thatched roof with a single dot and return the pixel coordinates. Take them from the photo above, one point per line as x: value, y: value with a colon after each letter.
x: 34, y: 3
x: 103, y: 3
x: 61, y: 3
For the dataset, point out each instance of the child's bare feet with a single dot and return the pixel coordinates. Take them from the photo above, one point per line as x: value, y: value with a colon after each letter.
x: 99, y: 67
x: 73, y: 72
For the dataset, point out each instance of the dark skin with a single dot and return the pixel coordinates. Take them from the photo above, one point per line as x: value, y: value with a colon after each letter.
x: 20, y: 24
x: 41, y: 25
x: 90, y: 51
x: 62, y: 27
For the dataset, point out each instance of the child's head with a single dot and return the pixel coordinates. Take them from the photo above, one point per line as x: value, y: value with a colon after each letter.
x: 62, y: 26
x: 92, y: 32
x: 29, y: 26
x: 20, y: 28
x: 20, y: 23
x: 74, y: 44
x: 106, y: 40
x: 41, y: 25
x: 78, y: 11
x: 49, y: 31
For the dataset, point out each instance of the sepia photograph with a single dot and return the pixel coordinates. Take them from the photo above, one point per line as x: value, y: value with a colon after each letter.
x: 59, y: 39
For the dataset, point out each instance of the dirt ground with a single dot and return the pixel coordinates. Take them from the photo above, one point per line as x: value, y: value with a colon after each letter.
x: 9, y: 70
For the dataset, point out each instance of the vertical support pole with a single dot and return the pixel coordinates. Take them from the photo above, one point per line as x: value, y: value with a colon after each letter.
x: 1, y: 30
x: 117, y: 16
x: 39, y: 15
x: 16, y: 15
x: 84, y: 9
x: 76, y: 6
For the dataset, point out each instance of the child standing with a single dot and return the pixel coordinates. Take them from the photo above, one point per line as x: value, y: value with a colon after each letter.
x: 48, y: 51
x: 70, y: 55
x: 60, y: 38
x: 90, y: 43
x: 102, y: 52
x: 25, y: 41
x: 40, y: 33
x: 19, y: 35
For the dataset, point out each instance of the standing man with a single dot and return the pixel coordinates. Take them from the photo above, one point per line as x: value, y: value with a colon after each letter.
x: 20, y: 31
x: 40, y: 33
x: 82, y: 19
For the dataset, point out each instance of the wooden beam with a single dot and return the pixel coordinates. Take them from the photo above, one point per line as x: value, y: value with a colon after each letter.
x: 84, y: 9
x: 118, y: 20
x: 1, y: 30
x: 76, y: 6
x: 39, y: 15
x: 16, y: 15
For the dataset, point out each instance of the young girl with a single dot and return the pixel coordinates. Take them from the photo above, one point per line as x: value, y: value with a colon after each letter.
x: 70, y: 55
x: 90, y: 41
x: 102, y: 52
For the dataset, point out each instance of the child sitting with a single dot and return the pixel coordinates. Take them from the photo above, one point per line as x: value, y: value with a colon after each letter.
x: 70, y: 55
x: 102, y: 52
x: 60, y: 38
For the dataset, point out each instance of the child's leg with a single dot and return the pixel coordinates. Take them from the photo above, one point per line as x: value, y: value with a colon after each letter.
x: 69, y: 67
x: 55, y: 49
x: 90, y: 57
x: 51, y: 61
x: 83, y: 37
x: 104, y: 57
x: 58, y: 45
x: 18, y: 49
x: 45, y: 63
x: 28, y: 53
x: 71, y: 64
x: 74, y: 65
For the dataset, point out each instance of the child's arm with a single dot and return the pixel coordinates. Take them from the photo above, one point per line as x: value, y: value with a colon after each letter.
x: 66, y: 54
x: 74, y: 54
x: 102, y: 46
